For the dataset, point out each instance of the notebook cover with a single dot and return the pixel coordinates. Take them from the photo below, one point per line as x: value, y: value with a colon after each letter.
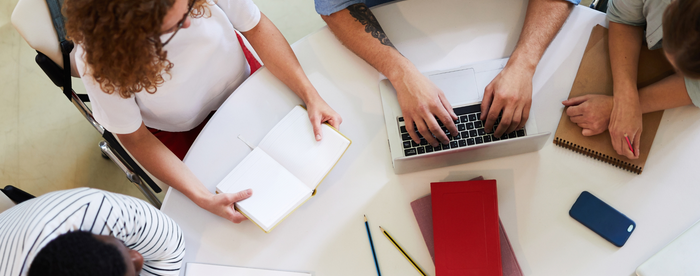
x: 465, y: 228
x: 595, y: 77
x: 423, y: 210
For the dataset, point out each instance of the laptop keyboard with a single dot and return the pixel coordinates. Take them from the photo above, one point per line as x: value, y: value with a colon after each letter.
x: 471, y: 132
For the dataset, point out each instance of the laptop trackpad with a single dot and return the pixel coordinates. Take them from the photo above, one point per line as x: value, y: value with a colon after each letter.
x: 459, y: 86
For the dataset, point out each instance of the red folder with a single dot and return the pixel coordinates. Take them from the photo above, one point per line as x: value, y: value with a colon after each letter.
x: 465, y: 228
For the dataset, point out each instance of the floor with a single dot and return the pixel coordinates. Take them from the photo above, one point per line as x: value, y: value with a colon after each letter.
x: 46, y: 145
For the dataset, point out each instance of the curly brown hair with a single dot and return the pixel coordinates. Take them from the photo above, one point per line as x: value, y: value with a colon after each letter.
x: 121, y: 39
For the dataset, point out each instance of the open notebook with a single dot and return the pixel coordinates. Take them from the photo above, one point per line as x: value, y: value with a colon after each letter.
x: 595, y: 77
x: 285, y: 169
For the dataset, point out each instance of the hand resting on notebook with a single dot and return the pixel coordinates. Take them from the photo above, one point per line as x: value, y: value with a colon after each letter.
x: 590, y: 112
x: 222, y: 205
x: 622, y: 113
x: 320, y: 112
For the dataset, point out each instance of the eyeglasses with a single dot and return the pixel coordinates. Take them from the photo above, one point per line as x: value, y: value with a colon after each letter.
x: 181, y: 22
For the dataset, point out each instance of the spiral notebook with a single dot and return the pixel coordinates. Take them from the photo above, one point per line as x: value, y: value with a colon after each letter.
x: 595, y: 77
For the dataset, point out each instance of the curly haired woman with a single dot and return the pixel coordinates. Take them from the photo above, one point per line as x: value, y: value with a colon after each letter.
x: 156, y: 69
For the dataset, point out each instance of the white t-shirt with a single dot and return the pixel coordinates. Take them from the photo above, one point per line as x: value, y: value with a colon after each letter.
x: 208, y: 66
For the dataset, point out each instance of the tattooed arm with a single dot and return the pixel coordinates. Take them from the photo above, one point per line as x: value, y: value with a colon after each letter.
x: 421, y: 101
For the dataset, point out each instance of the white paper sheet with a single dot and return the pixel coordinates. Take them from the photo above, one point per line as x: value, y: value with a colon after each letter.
x: 195, y: 269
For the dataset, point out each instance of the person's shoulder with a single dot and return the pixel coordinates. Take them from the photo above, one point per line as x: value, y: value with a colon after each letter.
x: 69, y: 192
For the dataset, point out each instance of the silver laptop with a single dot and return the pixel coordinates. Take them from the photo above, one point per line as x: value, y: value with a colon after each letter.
x: 464, y: 88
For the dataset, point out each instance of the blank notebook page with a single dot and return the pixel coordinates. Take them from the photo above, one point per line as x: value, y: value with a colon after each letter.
x: 275, y: 190
x: 292, y: 143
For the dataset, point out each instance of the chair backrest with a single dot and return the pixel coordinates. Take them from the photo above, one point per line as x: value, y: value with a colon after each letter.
x: 5, y: 202
x: 32, y: 20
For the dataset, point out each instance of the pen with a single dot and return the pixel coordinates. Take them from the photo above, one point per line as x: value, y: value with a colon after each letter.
x: 629, y: 144
x: 402, y: 251
x: 369, y: 235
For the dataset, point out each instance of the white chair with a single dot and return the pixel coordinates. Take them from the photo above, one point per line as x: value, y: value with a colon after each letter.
x: 5, y: 203
x: 35, y: 21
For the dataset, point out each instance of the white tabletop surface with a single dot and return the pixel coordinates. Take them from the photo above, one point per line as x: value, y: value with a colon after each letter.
x: 326, y: 235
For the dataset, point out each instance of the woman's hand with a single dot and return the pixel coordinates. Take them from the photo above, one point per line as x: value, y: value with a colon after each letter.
x: 626, y: 121
x: 590, y: 112
x: 222, y: 205
x: 279, y: 58
x: 320, y: 112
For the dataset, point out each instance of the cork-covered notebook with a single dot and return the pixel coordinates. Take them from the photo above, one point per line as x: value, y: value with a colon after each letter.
x: 595, y: 77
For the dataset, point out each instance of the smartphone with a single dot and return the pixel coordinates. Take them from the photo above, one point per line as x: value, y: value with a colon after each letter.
x: 603, y: 219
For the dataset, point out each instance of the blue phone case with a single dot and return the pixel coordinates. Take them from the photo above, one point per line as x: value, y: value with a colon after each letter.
x: 603, y: 219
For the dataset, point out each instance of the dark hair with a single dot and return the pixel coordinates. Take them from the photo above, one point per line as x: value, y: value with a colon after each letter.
x: 682, y: 35
x: 78, y: 253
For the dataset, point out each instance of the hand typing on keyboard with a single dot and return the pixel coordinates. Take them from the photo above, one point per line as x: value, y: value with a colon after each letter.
x: 508, y: 97
x: 423, y: 104
x: 470, y: 131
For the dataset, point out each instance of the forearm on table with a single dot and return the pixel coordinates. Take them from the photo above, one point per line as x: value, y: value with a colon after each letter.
x: 543, y: 20
x: 625, y: 44
x: 157, y: 159
x: 278, y: 57
x: 664, y: 94
x: 357, y: 28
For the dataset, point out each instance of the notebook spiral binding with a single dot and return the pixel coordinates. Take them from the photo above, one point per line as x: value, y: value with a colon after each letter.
x: 599, y: 156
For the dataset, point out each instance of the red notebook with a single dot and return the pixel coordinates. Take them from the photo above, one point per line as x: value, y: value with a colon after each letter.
x: 423, y: 211
x: 465, y: 228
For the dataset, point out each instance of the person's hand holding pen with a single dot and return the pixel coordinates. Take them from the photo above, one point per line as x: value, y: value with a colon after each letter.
x: 626, y: 124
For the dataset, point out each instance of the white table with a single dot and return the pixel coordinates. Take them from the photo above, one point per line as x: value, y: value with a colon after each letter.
x: 327, y: 236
